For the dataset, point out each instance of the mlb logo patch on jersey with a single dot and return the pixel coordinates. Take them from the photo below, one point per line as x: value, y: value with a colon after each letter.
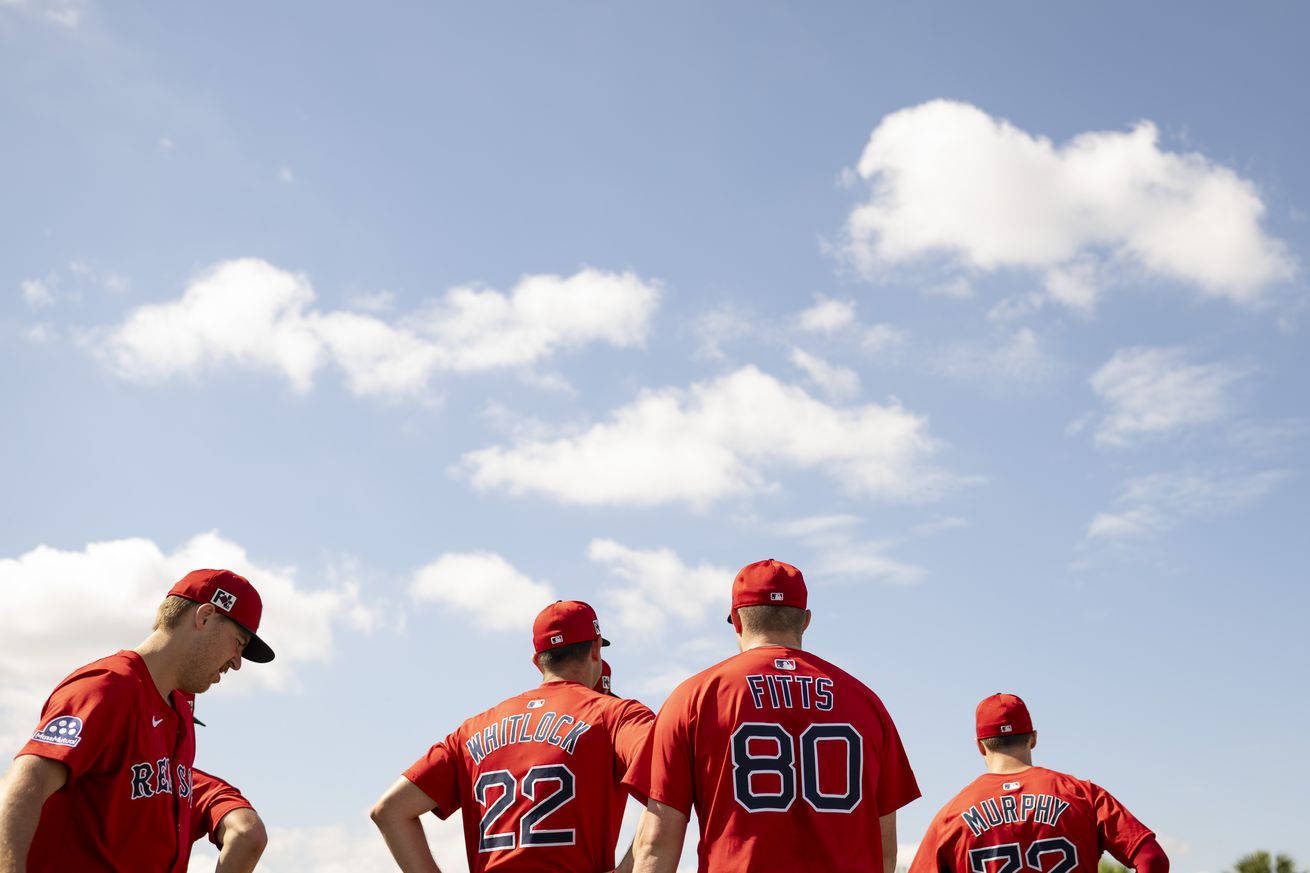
x: 63, y: 731
x: 536, y: 704
x: 1011, y: 786
x: 223, y: 600
x: 784, y: 664
x: 775, y: 595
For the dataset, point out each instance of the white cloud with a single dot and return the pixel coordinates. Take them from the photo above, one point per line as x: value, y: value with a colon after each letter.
x: 946, y: 178
x: 839, y: 551
x: 838, y: 383
x: 1152, y: 392
x: 714, y: 328
x: 1018, y: 357
x: 660, y: 586
x: 827, y: 315
x: 484, y: 587
x: 715, y: 440
x: 285, y: 176
x: 883, y: 337
x: 64, y: 13
x: 37, y: 293
x: 249, y: 313
x: 66, y: 608
x: 1153, y: 505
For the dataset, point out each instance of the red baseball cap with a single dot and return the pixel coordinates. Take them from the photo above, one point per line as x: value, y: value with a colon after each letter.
x: 1003, y: 715
x: 235, y: 598
x: 563, y: 623
x: 603, y: 684
x: 769, y: 583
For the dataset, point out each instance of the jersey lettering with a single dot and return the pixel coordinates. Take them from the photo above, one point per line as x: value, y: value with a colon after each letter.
x: 1012, y: 857
x: 142, y: 776
x: 519, y: 729
x: 1043, y: 809
x: 812, y: 691
x: 764, y: 768
x: 528, y: 833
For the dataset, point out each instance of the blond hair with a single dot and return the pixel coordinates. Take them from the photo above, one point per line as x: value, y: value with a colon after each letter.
x: 171, y: 612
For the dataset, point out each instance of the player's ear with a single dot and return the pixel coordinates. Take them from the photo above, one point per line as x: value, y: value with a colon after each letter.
x: 595, y: 650
x: 537, y: 663
x: 202, y: 614
x: 982, y: 750
x: 806, y: 626
x: 1032, y: 741
x: 736, y: 621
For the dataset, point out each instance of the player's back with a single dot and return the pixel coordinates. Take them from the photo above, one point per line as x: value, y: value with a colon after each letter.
x: 537, y: 777
x: 1035, y: 820
x: 794, y: 761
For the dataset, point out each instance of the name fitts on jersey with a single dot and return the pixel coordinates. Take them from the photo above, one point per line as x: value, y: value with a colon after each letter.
x: 1041, y: 808
x: 785, y: 691
x: 549, y: 728
x: 160, y: 778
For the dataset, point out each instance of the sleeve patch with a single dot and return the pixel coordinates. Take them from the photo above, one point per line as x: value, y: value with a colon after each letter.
x: 65, y: 730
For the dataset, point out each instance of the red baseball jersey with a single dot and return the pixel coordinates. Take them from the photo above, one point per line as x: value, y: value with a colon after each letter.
x: 126, y: 806
x: 1037, y: 820
x: 788, y: 761
x: 538, y: 778
x: 211, y: 799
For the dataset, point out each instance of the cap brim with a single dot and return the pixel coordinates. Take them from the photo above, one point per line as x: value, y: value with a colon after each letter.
x: 198, y: 721
x: 257, y: 651
x: 604, y: 642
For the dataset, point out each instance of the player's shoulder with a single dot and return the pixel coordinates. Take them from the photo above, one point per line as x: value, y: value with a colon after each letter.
x: 119, y: 673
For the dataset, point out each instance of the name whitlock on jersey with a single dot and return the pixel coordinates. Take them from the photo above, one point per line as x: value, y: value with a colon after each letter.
x: 562, y: 730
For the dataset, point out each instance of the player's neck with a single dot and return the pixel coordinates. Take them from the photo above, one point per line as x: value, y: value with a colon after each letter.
x: 748, y: 641
x: 162, y: 664
x: 999, y: 762
x: 579, y: 676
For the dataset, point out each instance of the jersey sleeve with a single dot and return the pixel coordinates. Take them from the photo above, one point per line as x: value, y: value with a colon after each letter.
x: 437, y: 774
x: 1120, y: 832
x: 663, y: 770
x: 925, y: 857
x: 632, y: 728
x: 896, y: 783
x: 84, y: 722
x: 211, y: 799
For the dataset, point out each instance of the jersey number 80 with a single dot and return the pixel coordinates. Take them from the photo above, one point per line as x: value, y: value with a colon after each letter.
x: 766, y: 749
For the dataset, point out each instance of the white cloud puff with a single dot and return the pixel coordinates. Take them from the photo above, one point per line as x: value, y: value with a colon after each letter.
x: 1153, y: 505
x: 837, y: 382
x: 947, y: 178
x: 1153, y: 392
x: 714, y: 440
x: 249, y: 313
x: 483, y: 586
x: 659, y: 587
x: 66, y: 608
x: 827, y: 315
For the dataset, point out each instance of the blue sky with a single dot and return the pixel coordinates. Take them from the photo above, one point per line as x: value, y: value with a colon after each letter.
x: 994, y: 323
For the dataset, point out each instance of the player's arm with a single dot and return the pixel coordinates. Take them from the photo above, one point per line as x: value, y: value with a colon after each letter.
x: 658, y: 845
x: 1150, y: 858
x: 887, y: 824
x: 397, y: 815
x: 30, y: 782
x: 241, y: 839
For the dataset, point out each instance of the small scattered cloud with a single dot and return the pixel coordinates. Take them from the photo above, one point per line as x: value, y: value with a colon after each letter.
x: 484, y: 587
x: 37, y: 293
x: 881, y: 338
x: 1153, y: 505
x: 166, y: 144
x: 945, y: 178
x: 717, y: 327
x: 827, y: 315
x: 67, y: 608
x: 1017, y: 356
x: 285, y: 176
x: 659, y: 587
x: 250, y: 314
x: 840, y: 551
x: 63, y: 13
x: 705, y: 443
x: 1154, y: 392
x: 836, y: 382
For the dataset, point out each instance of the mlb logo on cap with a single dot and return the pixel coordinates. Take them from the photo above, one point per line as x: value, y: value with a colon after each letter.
x: 775, y: 595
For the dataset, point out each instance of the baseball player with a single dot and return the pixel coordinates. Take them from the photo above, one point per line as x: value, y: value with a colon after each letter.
x: 105, y: 782
x: 603, y: 683
x: 1017, y: 817
x: 790, y: 763
x: 537, y: 776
